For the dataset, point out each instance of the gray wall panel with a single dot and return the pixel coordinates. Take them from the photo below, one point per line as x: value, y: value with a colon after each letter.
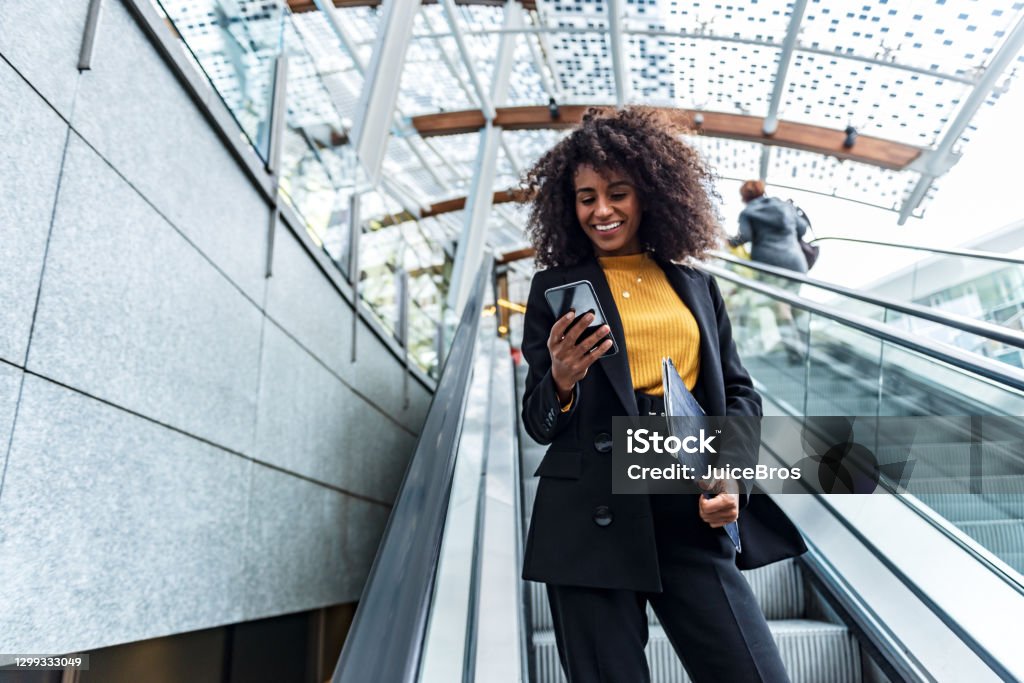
x: 122, y: 522
x: 130, y: 312
x: 419, y: 404
x: 292, y: 558
x: 31, y: 144
x: 42, y: 40
x: 134, y: 111
x: 379, y: 376
x: 114, y: 528
x: 364, y: 527
x: 304, y: 301
x: 310, y: 422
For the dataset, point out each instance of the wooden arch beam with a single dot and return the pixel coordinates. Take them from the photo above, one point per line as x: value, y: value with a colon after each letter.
x: 867, y: 150
x: 459, y: 203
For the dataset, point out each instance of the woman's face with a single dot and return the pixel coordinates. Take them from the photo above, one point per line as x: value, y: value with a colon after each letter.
x: 608, y: 210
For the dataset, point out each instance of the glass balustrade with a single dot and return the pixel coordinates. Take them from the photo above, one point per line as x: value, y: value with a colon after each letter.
x: 935, y: 331
x: 806, y: 363
x: 393, y: 243
x: 236, y: 46
x: 969, y: 285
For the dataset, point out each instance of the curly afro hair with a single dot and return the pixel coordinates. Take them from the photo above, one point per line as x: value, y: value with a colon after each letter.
x: 671, y: 180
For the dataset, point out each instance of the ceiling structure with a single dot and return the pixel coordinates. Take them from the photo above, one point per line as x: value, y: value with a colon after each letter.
x: 769, y: 88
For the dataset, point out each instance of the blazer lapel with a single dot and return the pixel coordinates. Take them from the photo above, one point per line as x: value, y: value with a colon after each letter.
x: 617, y: 366
x: 699, y: 304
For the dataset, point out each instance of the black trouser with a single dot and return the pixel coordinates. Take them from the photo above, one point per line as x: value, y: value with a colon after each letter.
x: 706, y: 608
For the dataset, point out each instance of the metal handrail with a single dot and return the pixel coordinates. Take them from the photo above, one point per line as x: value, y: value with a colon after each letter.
x: 386, y: 638
x: 1001, y: 373
x: 968, y: 253
x: 961, y: 322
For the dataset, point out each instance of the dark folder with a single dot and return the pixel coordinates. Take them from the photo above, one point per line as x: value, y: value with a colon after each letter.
x: 679, y: 402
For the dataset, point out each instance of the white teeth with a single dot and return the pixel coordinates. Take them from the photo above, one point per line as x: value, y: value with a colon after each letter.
x: 606, y: 228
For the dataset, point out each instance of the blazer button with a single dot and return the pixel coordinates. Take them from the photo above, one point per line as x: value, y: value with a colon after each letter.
x: 603, y: 515
x: 603, y: 442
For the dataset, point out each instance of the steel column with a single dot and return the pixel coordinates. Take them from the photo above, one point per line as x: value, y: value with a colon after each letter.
x: 451, y: 14
x: 771, y: 120
x: 383, y: 77
x: 470, y: 251
x: 620, y: 68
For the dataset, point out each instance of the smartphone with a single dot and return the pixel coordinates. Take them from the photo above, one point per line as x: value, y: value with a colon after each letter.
x: 580, y: 297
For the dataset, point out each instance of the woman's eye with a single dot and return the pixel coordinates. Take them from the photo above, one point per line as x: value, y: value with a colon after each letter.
x: 588, y: 200
x: 619, y: 196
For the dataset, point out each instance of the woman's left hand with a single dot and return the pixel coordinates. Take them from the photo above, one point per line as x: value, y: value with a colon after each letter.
x: 720, y: 510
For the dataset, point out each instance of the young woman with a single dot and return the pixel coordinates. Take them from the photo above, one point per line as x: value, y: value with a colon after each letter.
x: 617, y: 202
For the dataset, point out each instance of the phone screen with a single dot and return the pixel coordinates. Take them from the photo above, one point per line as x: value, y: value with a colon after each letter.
x: 579, y: 297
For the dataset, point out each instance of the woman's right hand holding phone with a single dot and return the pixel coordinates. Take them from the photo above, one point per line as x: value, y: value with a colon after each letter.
x: 571, y: 357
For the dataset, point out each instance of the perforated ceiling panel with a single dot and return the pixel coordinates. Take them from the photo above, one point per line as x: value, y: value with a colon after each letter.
x: 848, y: 179
x: 898, y: 70
x: 309, y: 102
x: 734, y: 159
x: 701, y: 74
x: 403, y: 164
x: 948, y: 37
x: 898, y: 105
x: 526, y: 84
x: 581, y: 60
x: 749, y: 20
x: 336, y: 68
x: 431, y: 83
x: 529, y: 145
x: 457, y: 153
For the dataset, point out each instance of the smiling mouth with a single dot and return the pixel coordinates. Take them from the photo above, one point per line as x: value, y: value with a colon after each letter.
x: 608, y: 227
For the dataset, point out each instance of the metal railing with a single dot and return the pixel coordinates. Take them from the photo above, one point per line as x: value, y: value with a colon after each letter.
x: 961, y: 322
x: 967, y: 253
x: 386, y: 637
x: 831, y: 352
x: 993, y: 370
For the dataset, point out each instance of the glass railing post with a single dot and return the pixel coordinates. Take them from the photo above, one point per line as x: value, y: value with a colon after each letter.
x: 807, y: 364
x: 439, y: 342
x: 402, y: 329
x: 278, y: 115
x: 92, y: 21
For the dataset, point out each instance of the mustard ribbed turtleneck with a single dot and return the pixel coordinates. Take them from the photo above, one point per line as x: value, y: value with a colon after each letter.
x: 655, y: 321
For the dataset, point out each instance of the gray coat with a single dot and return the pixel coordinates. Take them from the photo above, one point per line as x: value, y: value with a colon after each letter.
x: 773, y: 228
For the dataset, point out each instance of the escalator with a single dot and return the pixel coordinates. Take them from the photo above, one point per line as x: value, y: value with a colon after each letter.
x: 827, y: 366
x: 890, y: 591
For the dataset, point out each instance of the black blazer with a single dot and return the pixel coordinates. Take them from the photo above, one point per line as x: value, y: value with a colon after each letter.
x: 580, y: 534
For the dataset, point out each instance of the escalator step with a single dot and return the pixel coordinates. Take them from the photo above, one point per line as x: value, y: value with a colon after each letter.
x: 966, y: 507
x: 778, y: 587
x: 1004, y: 537
x: 954, y: 459
x: 813, y: 652
x: 997, y: 485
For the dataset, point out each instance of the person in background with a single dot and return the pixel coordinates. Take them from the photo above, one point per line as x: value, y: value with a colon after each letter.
x: 773, y: 227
